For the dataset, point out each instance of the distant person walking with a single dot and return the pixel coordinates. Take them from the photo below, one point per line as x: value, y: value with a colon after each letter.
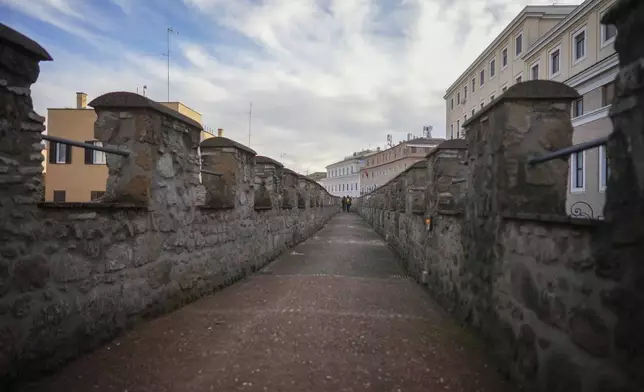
x: 348, y: 203
x: 344, y: 203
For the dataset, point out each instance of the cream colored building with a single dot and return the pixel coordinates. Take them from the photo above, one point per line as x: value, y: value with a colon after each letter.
x: 75, y: 174
x: 381, y: 167
x: 499, y: 66
x: 578, y: 51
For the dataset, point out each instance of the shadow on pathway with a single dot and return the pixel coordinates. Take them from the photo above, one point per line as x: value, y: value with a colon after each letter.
x: 333, y: 314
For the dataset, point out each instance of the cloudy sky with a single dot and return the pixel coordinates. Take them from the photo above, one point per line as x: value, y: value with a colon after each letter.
x: 326, y: 77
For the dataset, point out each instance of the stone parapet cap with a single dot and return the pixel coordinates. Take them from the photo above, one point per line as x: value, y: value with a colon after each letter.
x: 92, y: 206
x: 532, y: 90
x: 221, y: 142
x: 128, y: 100
x: 23, y: 43
x: 263, y: 160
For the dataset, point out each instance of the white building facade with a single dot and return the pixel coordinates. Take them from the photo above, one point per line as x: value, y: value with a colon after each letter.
x: 343, y: 178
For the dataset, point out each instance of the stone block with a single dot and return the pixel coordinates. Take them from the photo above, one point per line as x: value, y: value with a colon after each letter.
x: 31, y: 273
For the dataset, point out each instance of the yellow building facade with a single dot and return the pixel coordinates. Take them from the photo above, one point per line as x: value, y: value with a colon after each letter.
x: 75, y: 174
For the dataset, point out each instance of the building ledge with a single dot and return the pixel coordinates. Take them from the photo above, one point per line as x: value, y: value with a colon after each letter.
x: 591, y: 116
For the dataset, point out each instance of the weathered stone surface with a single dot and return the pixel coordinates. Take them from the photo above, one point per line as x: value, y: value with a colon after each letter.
x: 31, y: 273
x: 589, y: 332
x: 562, y: 375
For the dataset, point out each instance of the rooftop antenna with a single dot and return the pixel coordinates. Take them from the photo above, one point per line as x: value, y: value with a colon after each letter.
x: 167, y: 54
x: 145, y: 88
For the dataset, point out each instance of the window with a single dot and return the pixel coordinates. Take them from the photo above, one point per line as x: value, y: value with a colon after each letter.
x: 579, y: 46
x: 518, y: 44
x: 491, y: 97
x: 413, y: 150
x: 473, y: 85
x: 94, y: 195
x: 492, y: 68
x: 604, y: 168
x: 451, y: 131
x: 555, y: 62
x: 504, y: 58
x: 464, y: 118
x: 482, y: 77
x: 93, y: 157
x: 60, y: 153
x: 59, y: 196
x: 452, y: 104
x: 578, y: 161
x: 465, y: 93
x: 519, y: 78
x: 608, y: 33
x: 458, y: 98
x: 608, y: 94
x: 482, y: 104
x: 534, y: 71
x: 458, y: 129
x: 504, y: 89
x: 578, y: 107
x: 473, y: 111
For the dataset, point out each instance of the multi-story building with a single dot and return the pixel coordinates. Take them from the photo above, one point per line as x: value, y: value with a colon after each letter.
x: 76, y: 174
x: 499, y: 66
x: 578, y: 51
x: 384, y: 165
x: 343, y: 177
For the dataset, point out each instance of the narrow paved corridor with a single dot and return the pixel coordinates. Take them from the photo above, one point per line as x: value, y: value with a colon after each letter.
x: 333, y: 314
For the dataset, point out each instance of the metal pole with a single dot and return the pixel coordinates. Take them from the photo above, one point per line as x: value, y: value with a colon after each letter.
x: 564, y: 152
x: 169, y: 31
x: 250, y: 116
x: 69, y: 142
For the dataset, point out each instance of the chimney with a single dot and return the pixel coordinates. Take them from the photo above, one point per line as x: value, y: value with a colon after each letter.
x: 220, y: 132
x: 81, y: 101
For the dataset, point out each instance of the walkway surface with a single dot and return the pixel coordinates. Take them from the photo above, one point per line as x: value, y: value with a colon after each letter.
x: 333, y: 314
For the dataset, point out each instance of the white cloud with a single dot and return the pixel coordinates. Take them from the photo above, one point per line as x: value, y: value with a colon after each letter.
x: 326, y: 78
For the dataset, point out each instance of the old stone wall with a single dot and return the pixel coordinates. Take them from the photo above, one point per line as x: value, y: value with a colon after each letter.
x: 74, y: 275
x: 490, y: 239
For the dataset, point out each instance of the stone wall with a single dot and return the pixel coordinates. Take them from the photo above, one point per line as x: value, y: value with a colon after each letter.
x: 74, y: 275
x: 490, y: 239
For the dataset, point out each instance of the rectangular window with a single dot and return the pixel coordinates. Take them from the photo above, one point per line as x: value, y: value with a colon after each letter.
x: 518, y: 44
x: 93, y: 157
x: 465, y: 93
x: 604, y: 168
x: 491, y: 97
x: 504, y: 57
x: 473, y: 85
x: 59, y: 196
x: 452, y: 104
x: 608, y: 94
x: 482, y: 77
x: 578, y: 107
x: 504, y: 89
x: 482, y: 104
x: 579, y: 45
x: 555, y: 62
x: 413, y: 150
x: 60, y: 153
x: 534, y: 71
x: 458, y: 98
x: 608, y: 33
x: 94, y: 195
x: 577, y: 171
x: 473, y: 111
x: 492, y: 68
x: 451, y: 132
x: 519, y: 79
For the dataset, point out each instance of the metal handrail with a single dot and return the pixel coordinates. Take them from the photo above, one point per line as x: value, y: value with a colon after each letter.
x: 564, y: 152
x: 211, y: 173
x: 75, y: 143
